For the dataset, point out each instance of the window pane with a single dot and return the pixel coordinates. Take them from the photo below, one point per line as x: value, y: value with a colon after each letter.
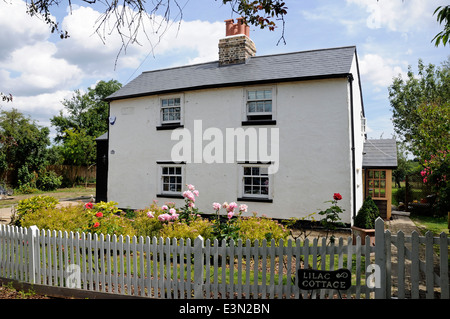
x: 376, y: 174
x: 247, y: 171
x: 247, y: 189
x: 265, y: 190
x: 268, y: 106
x: 260, y: 95
x: 251, y: 95
x: 255, y: 171
x: 383, y: 174
x: 164, y: 103
x: 178, y: 171
x: 251, y: 107
x: 256, y: 190
x: 260, y: 106
x: 268, y: 94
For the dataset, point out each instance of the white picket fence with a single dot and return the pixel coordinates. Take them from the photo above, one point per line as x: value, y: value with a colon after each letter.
x: 171, y: 268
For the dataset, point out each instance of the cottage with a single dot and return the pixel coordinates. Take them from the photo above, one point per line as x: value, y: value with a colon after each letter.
x: 281, y: 133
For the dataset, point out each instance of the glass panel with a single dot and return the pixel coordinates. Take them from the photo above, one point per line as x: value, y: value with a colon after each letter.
x: 265, y: 190
x: 256, y: 190
x: 251, y: 95
x: 165, y: 170
x: 166, y: 187
x: 376, y: 192
x: 260, y: 95
x: 268, y: 106
x: 255, y: 171
x: 252, y: 106
x: 377, y: 183
x: 376, y: 174
x: 247, y: 171
x: 248, y: 190
x: 383, y: 184
x: 260, y: 107
x: 383, y: 174
x: 370, y: 174
x: 382, y: 193
x: 247, y: 180
x: 268, y: 94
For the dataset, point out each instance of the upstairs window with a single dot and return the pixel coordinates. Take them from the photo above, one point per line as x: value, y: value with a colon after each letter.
x: 171, y: 111
x: 259, y: 104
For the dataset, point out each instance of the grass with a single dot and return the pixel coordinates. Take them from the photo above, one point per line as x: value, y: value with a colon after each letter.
x: 436, y: 225
x: 62, y: 193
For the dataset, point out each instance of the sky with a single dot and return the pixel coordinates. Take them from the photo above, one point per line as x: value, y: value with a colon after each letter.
x: 40, y: 70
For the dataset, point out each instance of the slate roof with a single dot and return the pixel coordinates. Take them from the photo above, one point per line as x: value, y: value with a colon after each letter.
x: 304, y: 65
x: 380, y: 154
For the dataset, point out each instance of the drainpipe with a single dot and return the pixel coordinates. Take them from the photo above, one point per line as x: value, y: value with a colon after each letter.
x: 352, y: 125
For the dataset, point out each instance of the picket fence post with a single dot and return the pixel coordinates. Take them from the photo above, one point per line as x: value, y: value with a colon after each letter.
x: 198, y: 267
x: 33, y: 232
x: 380, y: 257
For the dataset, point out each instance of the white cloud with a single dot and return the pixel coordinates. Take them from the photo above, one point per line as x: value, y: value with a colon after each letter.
x: 380, y: 71
x: 38, y: 70
x: 397, y: 15
x: 98, y: 56
x: 17, y: 28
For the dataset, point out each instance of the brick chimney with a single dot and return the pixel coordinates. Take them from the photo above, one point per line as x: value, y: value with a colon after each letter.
x: 236, y: 47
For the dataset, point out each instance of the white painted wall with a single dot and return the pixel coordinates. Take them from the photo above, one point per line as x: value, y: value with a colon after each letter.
x: 315, y: 152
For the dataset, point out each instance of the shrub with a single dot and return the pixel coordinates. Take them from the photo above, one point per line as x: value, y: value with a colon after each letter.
x: 68, y: 218
x: 146, y: 222
x: 367, y: 214
x: 259, y: 228
x: 48, y: 181
x: 179, y: 229
x: 31, y: 205
x: 105, y: 218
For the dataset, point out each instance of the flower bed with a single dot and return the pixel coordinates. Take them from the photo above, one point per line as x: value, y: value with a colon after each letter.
x: 159, y: 221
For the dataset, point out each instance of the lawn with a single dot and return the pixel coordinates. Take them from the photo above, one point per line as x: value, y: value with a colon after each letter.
x: 436, y: 225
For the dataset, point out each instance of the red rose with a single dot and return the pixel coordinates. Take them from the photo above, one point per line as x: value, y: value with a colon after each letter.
x: 96, y: 224
x: 337, y: 196
x: 99, y: 214
x: 89, y: 205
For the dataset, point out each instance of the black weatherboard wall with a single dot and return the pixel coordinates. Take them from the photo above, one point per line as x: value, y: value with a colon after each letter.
x: 101, y: 189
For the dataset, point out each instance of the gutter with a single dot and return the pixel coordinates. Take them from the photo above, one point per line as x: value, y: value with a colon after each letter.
x: 352, y: 125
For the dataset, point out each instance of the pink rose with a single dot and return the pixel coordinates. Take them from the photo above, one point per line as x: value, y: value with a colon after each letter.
x: 196, y: 192
x: 164, y: 207
x: 172, y: 211
x: 150, y: 214
x: 164, y: 217
x: 232, y: 206
x: 243, y: 208
x: 230, y: 214
x: 216, y: 206
x: 191, y: 187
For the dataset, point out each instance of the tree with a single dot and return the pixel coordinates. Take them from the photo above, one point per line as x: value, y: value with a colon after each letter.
x: 87, y: 112
x: 23, y: 144
x: 443, y: 16
x: 421, y: 118
x: 430, y: 86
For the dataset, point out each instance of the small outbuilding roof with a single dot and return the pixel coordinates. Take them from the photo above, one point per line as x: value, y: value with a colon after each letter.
x: 380, y: 153
x: 304, y: 65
